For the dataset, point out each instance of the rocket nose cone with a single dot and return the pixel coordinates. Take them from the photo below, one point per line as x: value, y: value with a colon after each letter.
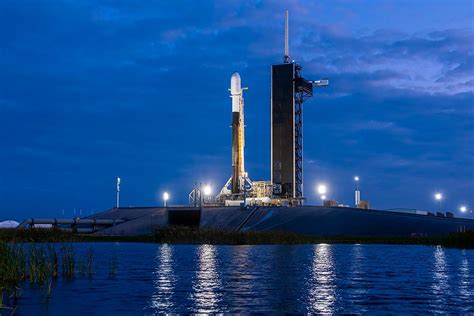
x: 235, y: 84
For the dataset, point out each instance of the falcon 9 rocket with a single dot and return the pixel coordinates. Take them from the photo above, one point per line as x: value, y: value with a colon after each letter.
x: 238, y: 139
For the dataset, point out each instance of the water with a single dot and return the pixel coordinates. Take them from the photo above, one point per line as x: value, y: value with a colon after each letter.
x: 154, y: 278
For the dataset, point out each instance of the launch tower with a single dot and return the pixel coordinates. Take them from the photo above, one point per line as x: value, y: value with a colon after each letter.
x: 288, y: 92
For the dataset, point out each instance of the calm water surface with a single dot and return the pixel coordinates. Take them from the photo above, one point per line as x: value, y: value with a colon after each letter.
x: 268, y: 278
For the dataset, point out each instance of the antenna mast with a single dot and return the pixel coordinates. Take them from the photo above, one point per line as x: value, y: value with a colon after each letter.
x: 286, y: 58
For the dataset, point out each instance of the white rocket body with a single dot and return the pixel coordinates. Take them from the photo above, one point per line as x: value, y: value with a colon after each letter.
x: 238, y: 129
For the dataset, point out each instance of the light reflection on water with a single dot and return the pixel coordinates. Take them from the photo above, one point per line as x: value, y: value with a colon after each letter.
x: 207, y: 286
x: 162, y: 298
x: 357, y: 274
x: 440, y: 285
x: 466, y: 288
x: 322, y: 292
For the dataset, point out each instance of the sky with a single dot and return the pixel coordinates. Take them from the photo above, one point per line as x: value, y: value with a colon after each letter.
x: 92, y: 90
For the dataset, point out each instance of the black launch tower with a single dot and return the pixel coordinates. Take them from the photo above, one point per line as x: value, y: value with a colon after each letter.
x: 289, y: 91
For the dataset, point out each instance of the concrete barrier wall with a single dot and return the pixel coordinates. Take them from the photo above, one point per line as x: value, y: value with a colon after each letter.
x: 335, y: 221
x: 224, y: 217
x: 143, y: 225
x: 127, y: 213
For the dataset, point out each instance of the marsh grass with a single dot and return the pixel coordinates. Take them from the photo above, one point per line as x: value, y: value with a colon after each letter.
x: 38, y: 264
x: 26, y: 235
x: 68, y: 261
x: 85, y: 265
x: 186, y: 235
x: 189, y: 235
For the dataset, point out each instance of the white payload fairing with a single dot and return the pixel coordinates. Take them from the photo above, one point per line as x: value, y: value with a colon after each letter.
x: 238, y: 130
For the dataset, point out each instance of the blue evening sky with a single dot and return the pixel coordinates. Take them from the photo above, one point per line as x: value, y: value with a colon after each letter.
x: 91, y: 90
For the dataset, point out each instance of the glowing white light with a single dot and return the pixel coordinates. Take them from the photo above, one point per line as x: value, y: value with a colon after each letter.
x: 323, y: 197
x: 356, y: 178
x: 438, y: 196
x: 463, y: 209
x: 207, y: 190
x: 322, y: 189
x: 166, y: 196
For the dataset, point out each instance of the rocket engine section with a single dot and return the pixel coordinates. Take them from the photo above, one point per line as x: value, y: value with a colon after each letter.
x: 238, y: 137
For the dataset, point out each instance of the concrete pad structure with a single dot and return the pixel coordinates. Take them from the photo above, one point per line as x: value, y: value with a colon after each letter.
x: 311, y: 220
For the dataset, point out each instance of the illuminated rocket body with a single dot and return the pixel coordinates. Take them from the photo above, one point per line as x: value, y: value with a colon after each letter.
x: 238, y: 139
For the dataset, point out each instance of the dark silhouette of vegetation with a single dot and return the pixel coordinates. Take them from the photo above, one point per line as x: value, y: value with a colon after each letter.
x: 33, y: 263
x: 183, y: 235
x: 39, y: 264
x: 188, y: 235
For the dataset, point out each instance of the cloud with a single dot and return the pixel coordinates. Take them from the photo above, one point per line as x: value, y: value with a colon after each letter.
x: 430, y: 63
x: 384, y: 126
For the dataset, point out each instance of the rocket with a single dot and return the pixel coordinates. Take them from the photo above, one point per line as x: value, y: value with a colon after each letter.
x: 238, y: 182
x: 238, y: 139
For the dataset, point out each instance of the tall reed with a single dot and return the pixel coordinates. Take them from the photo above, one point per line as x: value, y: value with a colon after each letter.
x: 68, y: 261
x: 38, y: 264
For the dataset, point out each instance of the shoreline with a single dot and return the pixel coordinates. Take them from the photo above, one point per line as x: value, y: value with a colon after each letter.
x: 184, y: 235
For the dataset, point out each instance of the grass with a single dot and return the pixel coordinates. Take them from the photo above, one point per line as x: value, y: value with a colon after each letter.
x: 68, y: 261
x: 38, y: 264
x: 25, y: 235
x: 184, y: 235
x: 180, y: 235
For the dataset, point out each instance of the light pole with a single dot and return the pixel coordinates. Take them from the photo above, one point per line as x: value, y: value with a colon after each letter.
x: 357, y: 191
x: 118, y: 193
x: 322, y: 190
x: 166, y: 197
x: 207, y: 191
x: 438, y: 197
